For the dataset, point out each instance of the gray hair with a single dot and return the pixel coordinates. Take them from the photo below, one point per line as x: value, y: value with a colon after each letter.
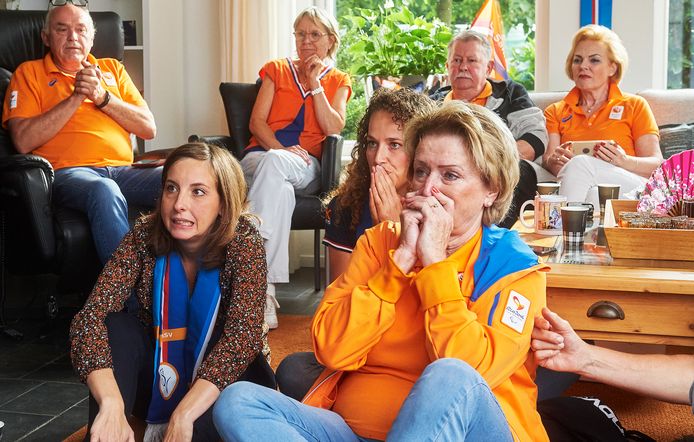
x: 49, y: 14
x: 470, y: 35
x: 321, y: 17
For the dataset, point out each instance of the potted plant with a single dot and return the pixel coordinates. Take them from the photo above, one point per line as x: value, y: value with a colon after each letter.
x: 394, y: 45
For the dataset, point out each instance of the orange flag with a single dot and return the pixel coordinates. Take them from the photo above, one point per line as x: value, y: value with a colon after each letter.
x: 488, y: 22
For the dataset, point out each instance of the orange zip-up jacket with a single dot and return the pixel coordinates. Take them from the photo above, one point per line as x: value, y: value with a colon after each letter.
x: 379, y: 328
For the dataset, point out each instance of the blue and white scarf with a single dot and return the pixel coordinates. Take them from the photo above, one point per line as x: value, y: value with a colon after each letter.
x: 183, y: 325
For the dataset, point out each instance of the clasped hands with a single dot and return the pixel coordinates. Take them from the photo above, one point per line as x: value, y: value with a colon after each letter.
x: 88, y: 83
x: 426, y: 226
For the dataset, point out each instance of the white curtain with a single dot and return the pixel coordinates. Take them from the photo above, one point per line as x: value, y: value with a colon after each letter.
x: 255, y: 31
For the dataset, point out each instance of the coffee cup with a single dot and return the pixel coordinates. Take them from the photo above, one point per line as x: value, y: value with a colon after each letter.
x: 591, y: 210
x: 547, y: 219
x: 688, y: 207
x: 607, y: 192
x: 574, y: 219
x: 548, y: 188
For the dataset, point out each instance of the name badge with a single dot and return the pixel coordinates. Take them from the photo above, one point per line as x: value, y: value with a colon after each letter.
x: 109, y: 79
x: 616, y: 112
x: 516, y: 311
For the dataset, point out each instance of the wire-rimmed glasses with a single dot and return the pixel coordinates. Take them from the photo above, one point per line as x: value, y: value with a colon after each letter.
x: 313, y: 36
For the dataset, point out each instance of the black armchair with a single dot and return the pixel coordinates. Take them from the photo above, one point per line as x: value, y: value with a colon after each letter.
x: 37, y: 237
x: 239, y: 99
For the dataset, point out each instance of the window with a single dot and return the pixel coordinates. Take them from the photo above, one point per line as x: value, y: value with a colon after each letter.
x: 680, y: 45
x: 519, y: 25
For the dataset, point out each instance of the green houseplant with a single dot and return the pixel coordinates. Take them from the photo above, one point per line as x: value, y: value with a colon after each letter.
x: 392, y: 41
x: 388, y: 42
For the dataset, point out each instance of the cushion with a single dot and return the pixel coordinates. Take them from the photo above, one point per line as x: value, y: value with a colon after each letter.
x: 544, y: 99
x: 675, y: 138
x: 670, y: 106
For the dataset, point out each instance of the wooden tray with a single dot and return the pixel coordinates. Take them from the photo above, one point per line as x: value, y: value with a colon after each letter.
x: 677, y: 245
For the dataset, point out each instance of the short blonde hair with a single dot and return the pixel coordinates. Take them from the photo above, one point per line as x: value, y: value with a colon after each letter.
x: 321, y: 17
x: 488, y: 141
x: 616, y: 51
x: 231, y: 187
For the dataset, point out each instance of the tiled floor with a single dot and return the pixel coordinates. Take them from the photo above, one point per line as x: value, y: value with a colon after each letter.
x: 41, y: 398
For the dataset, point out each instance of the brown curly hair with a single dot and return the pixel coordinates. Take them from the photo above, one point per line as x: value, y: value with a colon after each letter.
x: 403, y: 104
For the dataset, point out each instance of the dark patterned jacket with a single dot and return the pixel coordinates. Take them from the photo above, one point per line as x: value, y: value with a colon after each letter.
x: 242, y: 282
x: 511, y: 102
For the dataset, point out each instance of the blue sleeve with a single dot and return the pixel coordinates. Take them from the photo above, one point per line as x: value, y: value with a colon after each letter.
x: 338, y: 235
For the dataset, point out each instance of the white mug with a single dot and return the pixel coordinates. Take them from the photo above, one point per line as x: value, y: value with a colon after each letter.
x: 547, y: 219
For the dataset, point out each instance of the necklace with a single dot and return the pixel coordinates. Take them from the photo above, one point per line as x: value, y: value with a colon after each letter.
x: 589, y: 109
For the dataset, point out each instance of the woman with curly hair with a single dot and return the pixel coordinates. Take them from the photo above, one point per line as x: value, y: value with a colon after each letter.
x: 377, y: 175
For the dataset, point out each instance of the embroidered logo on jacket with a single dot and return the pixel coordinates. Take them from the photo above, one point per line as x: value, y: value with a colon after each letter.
x: 516, y: 311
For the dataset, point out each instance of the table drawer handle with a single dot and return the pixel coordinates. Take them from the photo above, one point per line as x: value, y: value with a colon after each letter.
x: 605, y: 310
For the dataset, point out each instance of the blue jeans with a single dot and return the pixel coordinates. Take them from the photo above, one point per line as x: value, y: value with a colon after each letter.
x: 450, y: 401
x: 103, y: 193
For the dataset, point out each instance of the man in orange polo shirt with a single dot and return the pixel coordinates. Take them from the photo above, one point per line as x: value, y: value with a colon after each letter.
x: 78, y: 112
x: 469, y: 66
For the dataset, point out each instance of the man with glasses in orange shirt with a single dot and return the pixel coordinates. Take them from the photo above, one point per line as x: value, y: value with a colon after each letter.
x: 78, y: 112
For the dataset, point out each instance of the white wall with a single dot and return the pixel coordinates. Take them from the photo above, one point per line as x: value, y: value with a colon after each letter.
x: 641, y: 24
x: 183, y: 70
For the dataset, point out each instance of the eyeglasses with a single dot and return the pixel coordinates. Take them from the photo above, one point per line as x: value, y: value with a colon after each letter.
x: 312, y: 36
x: 78, y: 3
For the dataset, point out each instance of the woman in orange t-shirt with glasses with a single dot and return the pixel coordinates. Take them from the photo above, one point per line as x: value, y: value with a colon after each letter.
x: 301, y: 101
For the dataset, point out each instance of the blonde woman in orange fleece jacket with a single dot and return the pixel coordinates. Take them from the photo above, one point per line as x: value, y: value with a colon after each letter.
x: 427, y: 334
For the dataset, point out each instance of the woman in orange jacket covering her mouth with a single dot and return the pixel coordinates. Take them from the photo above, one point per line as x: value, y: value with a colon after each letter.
x: 427, y: 333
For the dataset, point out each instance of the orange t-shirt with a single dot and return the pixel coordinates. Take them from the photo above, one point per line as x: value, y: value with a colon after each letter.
x: 624, y: 118
x: 481, y: 99
x: 90, y: 137
x: 292, y: 117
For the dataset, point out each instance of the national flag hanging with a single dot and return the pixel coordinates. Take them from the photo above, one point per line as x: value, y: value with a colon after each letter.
x: 597, y: 12
x: 488, y: 22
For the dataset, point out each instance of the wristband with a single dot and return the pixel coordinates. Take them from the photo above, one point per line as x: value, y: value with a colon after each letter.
x: 107, y: 98
x: 318, y: 90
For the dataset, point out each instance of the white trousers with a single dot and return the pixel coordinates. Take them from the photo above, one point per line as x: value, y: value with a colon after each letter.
x: 272, y: 177
x: 542, y: 173
x: 582, y: 174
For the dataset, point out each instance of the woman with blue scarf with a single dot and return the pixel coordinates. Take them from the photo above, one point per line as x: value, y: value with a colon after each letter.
x: 177, y: 313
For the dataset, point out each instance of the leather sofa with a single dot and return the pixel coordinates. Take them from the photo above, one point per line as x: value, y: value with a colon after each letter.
x: 37, y: 237
x: 671, y: 107
x: 238, y: 99
x: 673, y: 113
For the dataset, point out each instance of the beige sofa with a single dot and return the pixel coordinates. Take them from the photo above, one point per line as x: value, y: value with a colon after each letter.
x: 671, y: 107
